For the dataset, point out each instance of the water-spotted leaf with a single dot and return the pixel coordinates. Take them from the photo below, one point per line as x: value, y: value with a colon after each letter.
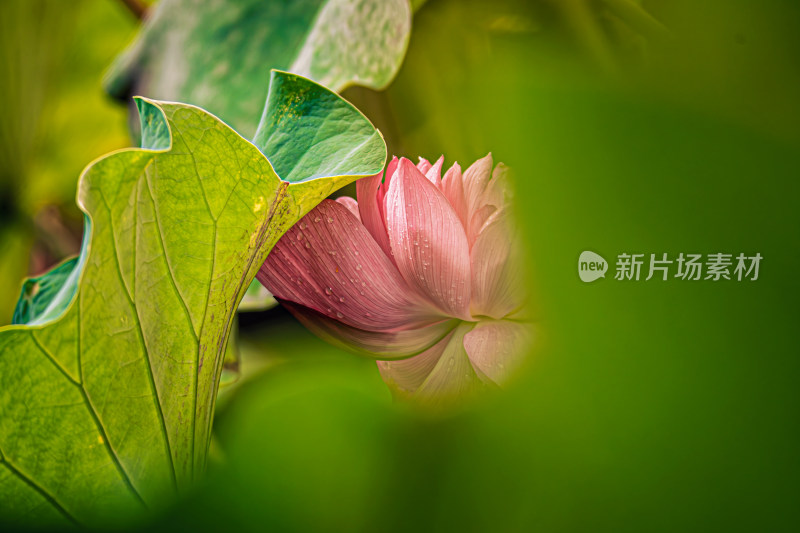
x: 108, y: 380
x: 217, y: 54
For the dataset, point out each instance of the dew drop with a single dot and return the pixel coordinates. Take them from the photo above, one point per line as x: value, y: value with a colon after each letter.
x: 328, y: 291
x: 299, y: 236
x: 341, y: 299
x: 330, y: 220
x: 317, y: 219
x: 308, y: 244
x: 339, y: 315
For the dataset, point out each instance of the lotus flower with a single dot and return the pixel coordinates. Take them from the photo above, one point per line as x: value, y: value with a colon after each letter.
x: 419, y: 274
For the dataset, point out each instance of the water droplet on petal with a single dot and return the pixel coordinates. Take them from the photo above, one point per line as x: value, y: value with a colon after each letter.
x: 317, y: 219
x: 328, y: 291
x: 339, y: 315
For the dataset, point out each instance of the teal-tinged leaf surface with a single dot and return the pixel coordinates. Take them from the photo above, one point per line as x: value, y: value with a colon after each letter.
x: 301, y: 153
x: 47, y: 294
x: 218, y: 54
x: 106, y: 407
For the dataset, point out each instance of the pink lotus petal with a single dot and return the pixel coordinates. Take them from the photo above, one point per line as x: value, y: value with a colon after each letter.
x: 428, y: 241
x: 371, y: 213
x: 453, y: 375
x: 498, y: 348
x: 351, y: 205
x: 475, y: 179
x: 493, y: 198
x: 440, y: 373
x: 495, y: 270
x: 453, y: 189
x: 424, y: 165
x: 391, y: 169
x: 477, y: 221
x: 330, y: 262
x: 404, y: 377
x: 434, y: 173
x: 385, y: 345
x: 498, y: 191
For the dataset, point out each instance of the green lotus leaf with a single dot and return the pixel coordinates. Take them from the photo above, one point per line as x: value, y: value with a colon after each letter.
x: 218, y: 54
x: 109, y: 375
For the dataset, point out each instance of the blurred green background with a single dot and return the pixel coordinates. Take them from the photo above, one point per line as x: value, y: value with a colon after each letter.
x: 646, y: 406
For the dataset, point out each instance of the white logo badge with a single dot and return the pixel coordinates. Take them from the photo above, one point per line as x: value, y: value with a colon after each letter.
x: 591, y: 266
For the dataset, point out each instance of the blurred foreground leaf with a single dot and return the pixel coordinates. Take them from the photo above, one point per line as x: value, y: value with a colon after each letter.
x: 106, y: 403
x: 217, y: 55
